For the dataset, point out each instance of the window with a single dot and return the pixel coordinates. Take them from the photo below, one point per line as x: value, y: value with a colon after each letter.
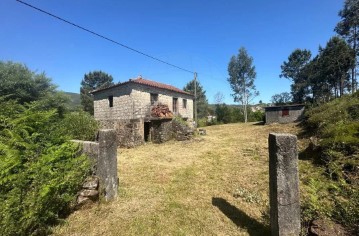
x: 285, y: 112
x: 184, y: 103
x: 110, y: 101
x: 174, y: 105
x: 154, y: 98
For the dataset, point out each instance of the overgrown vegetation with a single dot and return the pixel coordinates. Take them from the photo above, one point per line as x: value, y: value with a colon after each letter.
x: 233, y: 114
x: 40, y: 169
x: 334, y: 192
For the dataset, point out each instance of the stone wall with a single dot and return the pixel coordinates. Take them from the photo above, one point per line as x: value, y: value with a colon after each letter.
x: 162, y: 130
x: 132, y: 101
x: 129, y: 133
x: 181, y: 131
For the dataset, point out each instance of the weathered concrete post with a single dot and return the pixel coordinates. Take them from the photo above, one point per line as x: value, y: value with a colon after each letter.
x: 284, y: 185
x: 107, y: 163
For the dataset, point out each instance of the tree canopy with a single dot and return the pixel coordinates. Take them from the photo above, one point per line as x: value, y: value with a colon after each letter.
x: 18, y: 82
x: 281, y: 98
x: 202, y: 102
x: 322, y: 78
x: 241, y: 79
x: 292, y: 69
x: 348, y: 28
x: 91, y: 81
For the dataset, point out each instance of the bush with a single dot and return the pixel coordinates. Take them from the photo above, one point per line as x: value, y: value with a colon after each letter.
x: 337, y: 128
x: 79, y: 125
x: 40, y: 172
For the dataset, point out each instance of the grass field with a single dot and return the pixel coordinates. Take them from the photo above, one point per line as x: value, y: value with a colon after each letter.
x: 212, y: 185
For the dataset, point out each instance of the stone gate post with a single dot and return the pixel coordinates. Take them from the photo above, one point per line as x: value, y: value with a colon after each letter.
x: 107, y: 162
x: 284, y: 185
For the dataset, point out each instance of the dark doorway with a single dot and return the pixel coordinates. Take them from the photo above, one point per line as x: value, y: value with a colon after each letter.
x: 147, y: 127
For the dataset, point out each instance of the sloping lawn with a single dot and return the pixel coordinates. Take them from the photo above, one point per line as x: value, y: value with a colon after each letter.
x: 212, y: 185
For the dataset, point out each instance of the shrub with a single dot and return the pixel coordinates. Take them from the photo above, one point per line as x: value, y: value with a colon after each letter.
x: 336, y: 126
x: 40, y: 172
x: 79, y: 125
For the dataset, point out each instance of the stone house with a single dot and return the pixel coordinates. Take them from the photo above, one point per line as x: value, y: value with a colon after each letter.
x: 126, y: 107
x: 284, y: 114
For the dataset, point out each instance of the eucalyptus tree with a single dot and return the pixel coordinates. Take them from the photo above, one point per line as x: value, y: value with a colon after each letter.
x: 242, y: 74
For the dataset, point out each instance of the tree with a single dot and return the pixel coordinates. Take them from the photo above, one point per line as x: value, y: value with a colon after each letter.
x: 91, y: 81
x: 281, y: 98
x: 218, y: 98
x: 336, y: 60
x: 348, y: 27
x: 241, y: 79
x: 18, y: 82
x: 202, y: 102
x: 292, y: 69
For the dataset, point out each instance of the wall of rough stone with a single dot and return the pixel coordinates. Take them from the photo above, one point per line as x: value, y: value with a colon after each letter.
x: 162, y: 130
x: 181, y: 131
x: 129, y: 133
x: 132, y: 101
x: 274, y: 114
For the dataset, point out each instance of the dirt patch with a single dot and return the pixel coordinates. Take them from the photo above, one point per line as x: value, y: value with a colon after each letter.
x: 322, y: 227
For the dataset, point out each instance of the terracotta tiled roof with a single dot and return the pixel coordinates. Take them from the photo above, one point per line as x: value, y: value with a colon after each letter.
x: 158, y: 85
x: 148, y: 83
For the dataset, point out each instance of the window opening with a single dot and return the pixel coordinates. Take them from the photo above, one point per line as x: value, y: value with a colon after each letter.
x: 184, y: 103
x: 285, y: 112
x: 174, y: 105
x: 154, y: 98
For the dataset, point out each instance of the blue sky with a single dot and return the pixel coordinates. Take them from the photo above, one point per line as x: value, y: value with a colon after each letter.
x: 199, y: 35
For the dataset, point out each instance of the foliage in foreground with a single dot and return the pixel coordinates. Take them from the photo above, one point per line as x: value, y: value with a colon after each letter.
x: 335, y: 191
x: 40, y: 171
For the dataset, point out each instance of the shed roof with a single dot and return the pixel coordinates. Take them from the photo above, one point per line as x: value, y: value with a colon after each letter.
x: 146, y: 82
x: 290, y: 107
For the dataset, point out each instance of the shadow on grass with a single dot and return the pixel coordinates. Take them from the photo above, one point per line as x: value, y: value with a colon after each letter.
x: 240, y: 218
x: 259, y: 123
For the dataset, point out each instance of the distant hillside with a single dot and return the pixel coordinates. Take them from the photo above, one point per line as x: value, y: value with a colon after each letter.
x: 75, y: 100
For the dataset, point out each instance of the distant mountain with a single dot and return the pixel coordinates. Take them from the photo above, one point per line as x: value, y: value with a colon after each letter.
x: 75, y: 100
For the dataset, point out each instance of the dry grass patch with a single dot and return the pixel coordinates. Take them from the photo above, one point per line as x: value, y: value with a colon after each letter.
x: 212, y: 185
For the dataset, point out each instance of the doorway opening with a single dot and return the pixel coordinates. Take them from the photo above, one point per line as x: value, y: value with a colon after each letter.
x: 147, y: 128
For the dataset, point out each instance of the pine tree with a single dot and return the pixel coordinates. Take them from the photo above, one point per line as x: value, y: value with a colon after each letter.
x: 91, y: 81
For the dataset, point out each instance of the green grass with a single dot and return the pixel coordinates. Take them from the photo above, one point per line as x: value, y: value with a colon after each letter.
x: 188, y: 188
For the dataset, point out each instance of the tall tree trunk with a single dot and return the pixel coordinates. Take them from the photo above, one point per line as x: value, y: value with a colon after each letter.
x: 355, y: 61
x: 341, y: 86
x: 245, y: 106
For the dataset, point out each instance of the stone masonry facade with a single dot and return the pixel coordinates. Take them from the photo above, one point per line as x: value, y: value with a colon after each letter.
x: 127, y: 107
x: 133, y: 101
